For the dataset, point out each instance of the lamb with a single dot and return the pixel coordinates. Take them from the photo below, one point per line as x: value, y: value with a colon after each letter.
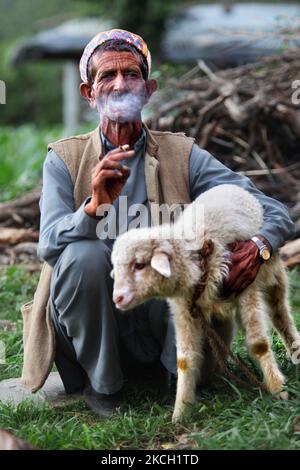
x: 159, y: 262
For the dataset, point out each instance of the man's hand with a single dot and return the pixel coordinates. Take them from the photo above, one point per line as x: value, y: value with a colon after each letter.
x: 245, y: 263
x: 108, y: 178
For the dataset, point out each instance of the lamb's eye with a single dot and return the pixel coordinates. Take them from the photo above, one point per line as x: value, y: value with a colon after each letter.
x: 139, y: 266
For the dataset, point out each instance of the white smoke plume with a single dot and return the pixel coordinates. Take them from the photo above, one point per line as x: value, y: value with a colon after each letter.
x: 125, y: 107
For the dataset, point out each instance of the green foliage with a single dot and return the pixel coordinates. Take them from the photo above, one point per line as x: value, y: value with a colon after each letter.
x: 22, y: 152
x: 19, y: 18
x: 17, y: 286
x: 33, y: 90
x: 225, y: 417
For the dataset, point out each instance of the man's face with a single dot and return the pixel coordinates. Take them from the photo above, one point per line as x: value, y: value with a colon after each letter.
x: 119, y: 91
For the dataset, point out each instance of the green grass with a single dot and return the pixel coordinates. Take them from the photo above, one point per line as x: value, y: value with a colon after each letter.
x: 22, y: 152
x: 225, y: 417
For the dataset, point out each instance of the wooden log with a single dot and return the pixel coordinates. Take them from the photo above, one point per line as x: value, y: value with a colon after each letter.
x: 12, y: 236
x: 7, y: 325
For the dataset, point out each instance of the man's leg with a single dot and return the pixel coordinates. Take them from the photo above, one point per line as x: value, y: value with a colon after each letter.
x: 81, y: 292
x: 72, y: 374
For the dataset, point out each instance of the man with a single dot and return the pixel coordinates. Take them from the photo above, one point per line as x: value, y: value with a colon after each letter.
x: 93, y: 339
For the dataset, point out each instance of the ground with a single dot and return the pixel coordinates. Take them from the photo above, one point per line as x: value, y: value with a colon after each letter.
x: 225, y: 416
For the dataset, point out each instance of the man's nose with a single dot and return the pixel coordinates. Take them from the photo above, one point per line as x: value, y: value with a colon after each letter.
x: 119, y: 83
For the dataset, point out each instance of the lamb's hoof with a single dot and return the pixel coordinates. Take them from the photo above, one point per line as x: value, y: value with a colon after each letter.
x: 282, y: 395
x: 177, y: 417
x: 275, y: 385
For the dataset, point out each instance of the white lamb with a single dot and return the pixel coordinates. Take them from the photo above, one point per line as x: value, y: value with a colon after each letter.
x: 153, y: 262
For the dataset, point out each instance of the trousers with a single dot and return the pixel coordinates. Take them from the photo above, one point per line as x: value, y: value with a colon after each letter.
x: 93, y: 338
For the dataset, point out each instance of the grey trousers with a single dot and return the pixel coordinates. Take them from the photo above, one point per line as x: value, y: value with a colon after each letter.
x: 91, y: 333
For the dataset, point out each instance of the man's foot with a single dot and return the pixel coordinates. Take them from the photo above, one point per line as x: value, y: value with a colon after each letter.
x: 101, y: 404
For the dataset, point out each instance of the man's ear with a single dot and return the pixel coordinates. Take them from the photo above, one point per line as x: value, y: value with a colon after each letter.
x: 160, y: 263
x: 151, y: 86
x: 207, y: 248
x: 87, y: 93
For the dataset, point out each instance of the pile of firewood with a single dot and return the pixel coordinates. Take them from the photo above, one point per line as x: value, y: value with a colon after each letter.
x: 19, y: 231
x: 248, y: 117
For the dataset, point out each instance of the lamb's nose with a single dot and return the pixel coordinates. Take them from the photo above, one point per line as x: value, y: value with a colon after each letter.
x: 119, y: 299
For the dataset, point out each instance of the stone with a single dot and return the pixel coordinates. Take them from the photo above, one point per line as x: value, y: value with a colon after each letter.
x: 53, y: 392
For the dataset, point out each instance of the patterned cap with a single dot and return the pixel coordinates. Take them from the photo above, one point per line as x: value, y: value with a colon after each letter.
x: 112, y: 35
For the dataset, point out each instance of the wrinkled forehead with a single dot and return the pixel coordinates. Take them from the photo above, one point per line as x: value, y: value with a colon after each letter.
x: 115, y: 60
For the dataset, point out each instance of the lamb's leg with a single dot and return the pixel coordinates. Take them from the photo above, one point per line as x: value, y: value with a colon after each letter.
x: 277, y: 299
x: 189, y: 340
x: 252, y: 313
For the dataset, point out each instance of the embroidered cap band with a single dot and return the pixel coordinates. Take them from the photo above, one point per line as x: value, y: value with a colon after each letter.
x: 111, y: 35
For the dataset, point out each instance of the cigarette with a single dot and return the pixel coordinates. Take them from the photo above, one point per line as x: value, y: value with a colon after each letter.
x: 124, y: 148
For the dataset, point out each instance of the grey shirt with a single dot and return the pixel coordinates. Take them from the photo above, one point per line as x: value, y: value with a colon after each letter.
x: 61, y: 224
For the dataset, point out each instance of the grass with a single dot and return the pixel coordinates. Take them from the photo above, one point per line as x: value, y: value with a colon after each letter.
x: 22, y: 153
x: 225, y: 417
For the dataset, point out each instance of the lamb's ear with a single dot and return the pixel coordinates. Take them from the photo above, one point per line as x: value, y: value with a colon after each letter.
x: 160, y: 262
x: 207, y: 248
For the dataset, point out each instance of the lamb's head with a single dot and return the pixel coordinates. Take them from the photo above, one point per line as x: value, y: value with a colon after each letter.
x: 143, y: 267
x: 148, y: 264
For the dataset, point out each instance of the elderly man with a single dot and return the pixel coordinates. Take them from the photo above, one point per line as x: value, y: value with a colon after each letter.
x: 81, y: 173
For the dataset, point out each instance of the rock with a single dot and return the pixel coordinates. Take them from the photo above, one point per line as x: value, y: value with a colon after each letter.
x: 53, y: 392
x: 10, y: 442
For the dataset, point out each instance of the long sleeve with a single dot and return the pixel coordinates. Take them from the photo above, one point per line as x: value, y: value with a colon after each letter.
x: 60, y: 223
x: 205, y: 172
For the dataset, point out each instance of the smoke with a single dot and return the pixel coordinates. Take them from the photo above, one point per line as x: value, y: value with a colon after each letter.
x: 124, y: 107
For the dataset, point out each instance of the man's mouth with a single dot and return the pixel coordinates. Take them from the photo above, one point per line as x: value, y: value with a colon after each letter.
x: 126, y: 107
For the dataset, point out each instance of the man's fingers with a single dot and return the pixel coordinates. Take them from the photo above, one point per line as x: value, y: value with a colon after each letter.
x: 112, y: 165
x: 237, y: 258
x: 125, y: 171
x: 111, y: 174
x: 231, y: 246
x: 244, y: 286
x: 118, y: 152
x: 105, y: 173
x: 105, y: 162
x: 121, y: 155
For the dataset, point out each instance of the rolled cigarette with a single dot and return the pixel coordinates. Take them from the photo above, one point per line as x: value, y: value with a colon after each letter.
x: 124, y: 148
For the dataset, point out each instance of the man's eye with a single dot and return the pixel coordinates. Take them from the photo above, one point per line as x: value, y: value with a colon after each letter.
x: 106, y: 76
x: 132, y: 74
x: 139, y: 266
